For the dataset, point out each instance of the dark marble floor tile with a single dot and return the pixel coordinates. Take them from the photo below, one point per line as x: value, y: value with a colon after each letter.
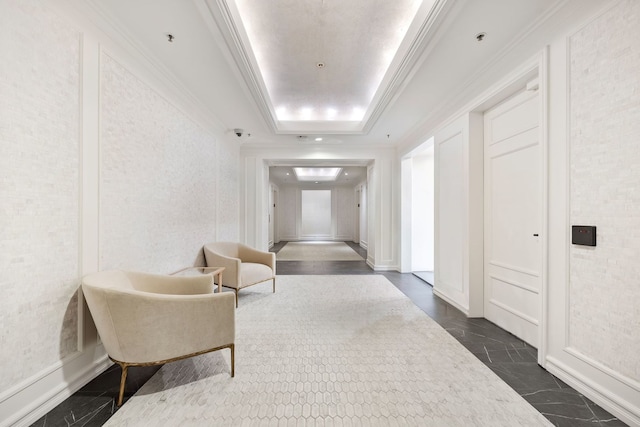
x: 554, y: 396
x: 523, y: 377
x: 506, y: 356
x: 322, y: 267
x: 77, y: 411
x: 94, y: 403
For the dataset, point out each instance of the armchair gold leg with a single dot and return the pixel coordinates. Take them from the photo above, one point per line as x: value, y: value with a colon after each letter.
x: 233, y: 360
x: 125, y: 366
x: 123, y: 380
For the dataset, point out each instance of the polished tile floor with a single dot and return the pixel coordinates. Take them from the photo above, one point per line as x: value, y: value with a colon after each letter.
x: 510, y: 358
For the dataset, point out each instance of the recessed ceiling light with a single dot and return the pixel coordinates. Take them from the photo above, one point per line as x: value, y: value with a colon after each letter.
x: 306, y: 113
x: 317, y: 182
x: 318, y: 139
x: 346, y: 173
x: 287, y: 173
x: 317, y: 174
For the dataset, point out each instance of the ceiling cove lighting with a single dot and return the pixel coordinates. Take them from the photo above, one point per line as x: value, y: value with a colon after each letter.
x: 268, y: 48
x: 357, y: 114
x: 317, y: 174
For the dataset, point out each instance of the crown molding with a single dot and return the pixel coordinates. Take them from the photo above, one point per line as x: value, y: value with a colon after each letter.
x: 225, y: 20
x: 425, y: 40
x: 226, y: 17
x: 474, y: 83
x: 123, y: 42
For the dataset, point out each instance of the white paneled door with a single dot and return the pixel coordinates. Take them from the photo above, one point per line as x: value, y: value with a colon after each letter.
x: 513, y: 213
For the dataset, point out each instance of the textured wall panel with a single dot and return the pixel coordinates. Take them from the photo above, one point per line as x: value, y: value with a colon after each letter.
x: 158, y: 178
x: 39, y: 104
x: 228, y: 191
x: 605, y: 188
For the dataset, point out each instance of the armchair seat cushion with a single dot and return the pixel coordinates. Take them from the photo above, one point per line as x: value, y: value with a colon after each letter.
x: 252, y: 273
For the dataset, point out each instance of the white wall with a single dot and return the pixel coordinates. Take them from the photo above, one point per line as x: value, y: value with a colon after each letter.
x: 422, y: 211
x: 593, y: 311
x: 40, y: 189
x: 101, y: 168
x: 157, y: 186
x: 339, y: 216
x: 316, y: 214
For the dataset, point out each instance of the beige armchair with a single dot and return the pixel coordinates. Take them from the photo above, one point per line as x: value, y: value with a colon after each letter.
x: 147, y: 319
x: 244, y: 266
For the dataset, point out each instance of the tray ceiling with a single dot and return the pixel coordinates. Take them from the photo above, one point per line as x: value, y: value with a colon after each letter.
x: 323, y: 66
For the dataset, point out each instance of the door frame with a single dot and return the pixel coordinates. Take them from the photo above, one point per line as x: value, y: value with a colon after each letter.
x: 533, y: 73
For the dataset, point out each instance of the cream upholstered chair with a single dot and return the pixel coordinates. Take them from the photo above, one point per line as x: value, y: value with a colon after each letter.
x: 147, y: 319
x: 244, y: 265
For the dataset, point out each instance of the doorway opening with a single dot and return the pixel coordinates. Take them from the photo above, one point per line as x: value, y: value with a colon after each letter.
x: 418, y: 212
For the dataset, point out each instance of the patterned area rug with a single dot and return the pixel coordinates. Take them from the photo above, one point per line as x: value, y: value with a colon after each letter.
x: 317, y: 251
x: 330, y: 350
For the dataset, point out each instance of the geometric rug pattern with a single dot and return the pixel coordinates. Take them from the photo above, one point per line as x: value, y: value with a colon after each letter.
x: 317, y: 251
x: 330, y: 350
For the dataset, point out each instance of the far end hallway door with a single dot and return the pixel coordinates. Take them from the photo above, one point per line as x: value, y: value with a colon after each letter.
x: 513, y: 212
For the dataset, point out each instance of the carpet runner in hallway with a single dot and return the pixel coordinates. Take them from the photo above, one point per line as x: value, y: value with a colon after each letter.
x: 331, y: 350
x: 317, y: 251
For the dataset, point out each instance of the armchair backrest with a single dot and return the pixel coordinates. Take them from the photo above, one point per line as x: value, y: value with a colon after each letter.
x: 229, y: 249
x: 130, y: 308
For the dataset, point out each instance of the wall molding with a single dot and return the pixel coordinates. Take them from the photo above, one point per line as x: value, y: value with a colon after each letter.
x: 33, y: 398
x: 92, y: 17
x: 623, y: 409
x: 630, y: 382
x: 516, y: 313
x: 515, y: 283
x: 493, y: 66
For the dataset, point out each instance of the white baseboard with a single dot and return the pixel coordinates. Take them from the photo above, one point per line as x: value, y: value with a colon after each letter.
x: 440, y: 295
x: 624, y: 410
x: 30, y: 400
x: 385, y: 268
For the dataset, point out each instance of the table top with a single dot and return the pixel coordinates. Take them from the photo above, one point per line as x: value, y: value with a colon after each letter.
x: 196, y: 271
